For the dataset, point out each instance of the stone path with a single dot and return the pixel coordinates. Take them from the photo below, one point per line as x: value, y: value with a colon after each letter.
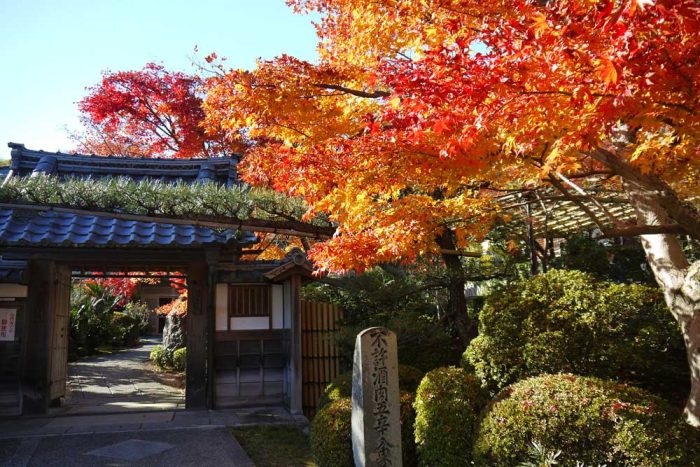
x: 118, y: 382
x: 201, y: 447
x: 117, y: 413
x: 161, y: 438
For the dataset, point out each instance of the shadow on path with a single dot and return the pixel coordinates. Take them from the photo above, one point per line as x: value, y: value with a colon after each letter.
x: 118, y: 382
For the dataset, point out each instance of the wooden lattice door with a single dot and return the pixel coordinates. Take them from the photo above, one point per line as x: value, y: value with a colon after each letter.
x: 320, y: 356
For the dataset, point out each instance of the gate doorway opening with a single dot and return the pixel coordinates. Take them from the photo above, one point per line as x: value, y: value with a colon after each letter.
x: 113, y: 327
x: 116, y: 379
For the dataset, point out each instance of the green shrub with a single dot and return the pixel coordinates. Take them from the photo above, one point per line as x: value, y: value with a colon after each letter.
x: 408, y: 421
x: 180, y: 359
x: 589, y: 420
x: 124, y: 330
x: 395, y: 298
x: 140, y: 312
x: 567, y: 321
x: 331, y: 435
x: 160, y: 357
x: 92, y: 306
x: 331, y: 439
x: 341, y: 386
x: 448, y: 403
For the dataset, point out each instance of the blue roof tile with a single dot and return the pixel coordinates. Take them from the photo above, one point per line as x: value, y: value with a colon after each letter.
x: 50, y: 228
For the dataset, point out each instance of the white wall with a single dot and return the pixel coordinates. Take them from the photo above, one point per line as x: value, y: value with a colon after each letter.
x: 278, y: 306
x: 249, y: 323
x: 281, y: 311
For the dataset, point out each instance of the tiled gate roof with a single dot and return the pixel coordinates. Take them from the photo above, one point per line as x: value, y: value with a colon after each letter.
x: 30, y: 227
x: 25, y: 162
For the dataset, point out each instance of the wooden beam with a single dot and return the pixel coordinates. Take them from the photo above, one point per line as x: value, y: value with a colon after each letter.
x: 197, y: 327
x: 470, y: 254
x: 295, y: 398
x: 37, y: 337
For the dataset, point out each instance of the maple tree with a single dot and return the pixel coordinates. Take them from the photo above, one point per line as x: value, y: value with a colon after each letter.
x: 420, y: 114
x: 152, y: 112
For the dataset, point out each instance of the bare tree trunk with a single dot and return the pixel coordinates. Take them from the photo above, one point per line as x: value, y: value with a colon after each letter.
x: 679, y: 280
x: 457, y: 306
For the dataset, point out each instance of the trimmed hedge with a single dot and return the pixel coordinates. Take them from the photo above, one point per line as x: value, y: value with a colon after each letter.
x: 180, y: 359
x: 160, y: 357
x: 341, y: 386
x: 448, y: 403
x: 569, y: 322
x: 589, y: 420
x: 331, y: 435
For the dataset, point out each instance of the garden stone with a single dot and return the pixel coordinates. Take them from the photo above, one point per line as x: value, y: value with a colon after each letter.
x: 174, y: 336
x: 376, y: 426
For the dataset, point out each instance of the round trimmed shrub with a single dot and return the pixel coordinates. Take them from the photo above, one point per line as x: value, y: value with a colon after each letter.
x: 569, y: 322
x: 331, y: 436
x: 160, y: 357
x: 335, y: 449
x: 589, y: 420
x: 448, y: 403
x: 180, y: 359
x: 341, y: 386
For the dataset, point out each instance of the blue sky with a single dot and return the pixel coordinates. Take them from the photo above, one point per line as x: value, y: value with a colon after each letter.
x: 51, y: 50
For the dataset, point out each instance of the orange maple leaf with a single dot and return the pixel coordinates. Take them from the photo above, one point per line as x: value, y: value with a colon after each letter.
x: 607, y: 71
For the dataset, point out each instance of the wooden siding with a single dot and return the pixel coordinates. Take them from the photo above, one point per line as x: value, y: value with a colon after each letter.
x: 321, y: 358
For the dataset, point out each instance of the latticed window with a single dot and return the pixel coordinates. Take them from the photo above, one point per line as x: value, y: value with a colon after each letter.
x: 249, y: 300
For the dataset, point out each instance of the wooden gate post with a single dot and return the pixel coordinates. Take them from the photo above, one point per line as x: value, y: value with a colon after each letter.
x: 197, y: 327
x: 295, y: 403
x: 46, y: 336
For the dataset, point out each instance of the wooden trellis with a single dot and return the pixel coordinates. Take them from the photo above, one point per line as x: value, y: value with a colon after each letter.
x: 321, y: 358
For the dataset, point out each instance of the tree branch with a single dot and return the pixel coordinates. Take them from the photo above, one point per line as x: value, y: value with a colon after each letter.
x: 355, y: 92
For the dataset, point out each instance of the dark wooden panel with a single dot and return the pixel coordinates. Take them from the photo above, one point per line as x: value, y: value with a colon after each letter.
x: 250, y: 367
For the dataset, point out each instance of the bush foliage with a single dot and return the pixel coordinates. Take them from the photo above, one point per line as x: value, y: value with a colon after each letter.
x: 331, y: 436
x: 589, y: 420
x: 180, y: 359
x: 448, y: 403
x: 331, y: 432
x: 169, y: 360
x: 91, y: 319
x: 398, y: 299
x: 160, y: 357
x: 341, y: 386
x: 567, y: 321
x: 124, y: 329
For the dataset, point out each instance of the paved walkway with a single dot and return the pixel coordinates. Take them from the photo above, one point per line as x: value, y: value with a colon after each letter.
x: 162, y: 438
x: 202, y: 447
x: 118, y: 382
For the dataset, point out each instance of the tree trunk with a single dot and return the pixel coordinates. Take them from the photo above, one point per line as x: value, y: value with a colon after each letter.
x: 679, y: 280
x: 457, y: 306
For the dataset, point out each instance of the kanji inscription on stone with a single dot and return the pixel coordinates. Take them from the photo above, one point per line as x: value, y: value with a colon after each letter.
x: 376, y: 427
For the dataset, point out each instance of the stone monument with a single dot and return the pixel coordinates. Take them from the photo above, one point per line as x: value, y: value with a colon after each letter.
x: 376, y: 426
